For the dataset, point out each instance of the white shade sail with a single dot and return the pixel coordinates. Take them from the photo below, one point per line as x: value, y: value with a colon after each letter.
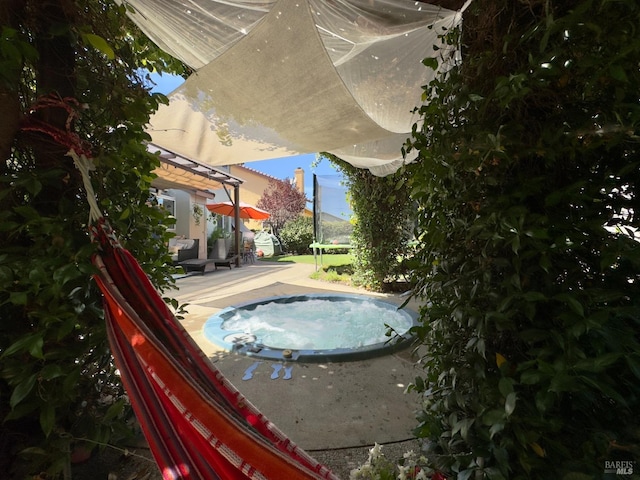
x: 288, y: 77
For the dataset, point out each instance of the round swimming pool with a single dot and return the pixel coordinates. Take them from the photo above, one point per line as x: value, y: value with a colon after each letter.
x: 312, y: 328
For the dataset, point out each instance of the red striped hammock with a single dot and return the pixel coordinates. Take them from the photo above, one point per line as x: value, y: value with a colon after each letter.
x: 197, y: 424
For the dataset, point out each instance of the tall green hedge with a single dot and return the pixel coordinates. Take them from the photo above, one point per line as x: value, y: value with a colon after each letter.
x: 70, y: 74
x: 382, y: 225
x: 529, y: 258
x: 297, y: 235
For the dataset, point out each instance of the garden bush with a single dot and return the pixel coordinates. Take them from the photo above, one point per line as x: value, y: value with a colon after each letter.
x: 529, y: 256
x: 382, y: 225
x: 70, y: 79
x: 297, y: 235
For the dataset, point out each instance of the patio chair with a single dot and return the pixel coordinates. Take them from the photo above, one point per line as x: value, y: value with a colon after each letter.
x: 248, y: 254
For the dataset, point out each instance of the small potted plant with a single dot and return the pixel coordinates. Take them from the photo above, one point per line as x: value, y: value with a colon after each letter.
x: 218, y: 243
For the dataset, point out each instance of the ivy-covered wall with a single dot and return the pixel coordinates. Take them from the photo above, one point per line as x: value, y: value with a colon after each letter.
x: 529, y: 255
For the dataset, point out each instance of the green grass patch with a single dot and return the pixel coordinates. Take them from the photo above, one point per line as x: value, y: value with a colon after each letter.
x: 336, y: 268
x: 334, y: 274
x: 327, y: 259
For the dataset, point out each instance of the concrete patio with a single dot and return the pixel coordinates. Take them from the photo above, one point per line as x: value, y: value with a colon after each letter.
x: 329, y: 409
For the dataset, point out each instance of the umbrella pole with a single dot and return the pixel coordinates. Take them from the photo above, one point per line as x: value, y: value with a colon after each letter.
x: 236, y: 194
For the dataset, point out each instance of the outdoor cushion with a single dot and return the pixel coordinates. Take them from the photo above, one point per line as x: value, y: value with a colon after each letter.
x: 183, y: 249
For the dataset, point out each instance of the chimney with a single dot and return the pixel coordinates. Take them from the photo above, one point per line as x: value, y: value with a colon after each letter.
x: 299, y: 176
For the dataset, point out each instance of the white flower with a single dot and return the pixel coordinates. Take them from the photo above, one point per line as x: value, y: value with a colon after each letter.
x: 422, y: 475
x: 403, y: 471
x: 409, y: 454
x: 363, y: 472
x: 375, y: 452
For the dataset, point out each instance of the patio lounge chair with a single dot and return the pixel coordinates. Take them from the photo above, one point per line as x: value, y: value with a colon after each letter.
x: 182, y: 249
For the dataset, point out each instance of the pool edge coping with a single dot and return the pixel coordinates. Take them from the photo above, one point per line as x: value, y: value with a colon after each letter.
x: 250, y: 349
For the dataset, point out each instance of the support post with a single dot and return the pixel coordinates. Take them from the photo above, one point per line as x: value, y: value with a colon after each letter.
x: 236, y: 196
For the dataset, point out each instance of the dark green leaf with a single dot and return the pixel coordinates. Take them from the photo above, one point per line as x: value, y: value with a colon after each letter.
x: 505, y: 386
x: 25, y: 343
x: 114, y: 410
x: 47, y: 418
x: 21, y: 390
x: 617, y: 72
x: 430, y: 63
x: 572, y: 302
x: 634, y: 365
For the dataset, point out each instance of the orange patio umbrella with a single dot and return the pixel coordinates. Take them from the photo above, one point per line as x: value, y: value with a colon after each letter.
x: 246, y: 210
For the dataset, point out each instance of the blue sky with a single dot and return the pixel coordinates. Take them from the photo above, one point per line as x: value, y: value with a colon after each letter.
x: 280, y: 168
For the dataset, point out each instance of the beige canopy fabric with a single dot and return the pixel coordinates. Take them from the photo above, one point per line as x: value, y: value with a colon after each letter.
x: 288, y: 77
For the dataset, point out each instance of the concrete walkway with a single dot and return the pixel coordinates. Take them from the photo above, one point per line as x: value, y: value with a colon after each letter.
x: 322, y: 406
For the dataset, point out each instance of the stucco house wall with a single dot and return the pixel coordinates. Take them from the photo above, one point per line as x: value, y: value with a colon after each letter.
x: 188, y: 202
x: 255, y: 183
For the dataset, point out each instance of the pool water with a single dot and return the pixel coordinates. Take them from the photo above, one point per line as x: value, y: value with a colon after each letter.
x: 311, y: 325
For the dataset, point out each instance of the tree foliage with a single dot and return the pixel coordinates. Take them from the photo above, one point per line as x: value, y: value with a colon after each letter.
x: 297, y: 235
x: 283, y: 201
x: 70, y: 79
x: 529, y: 255
x: 383, y: 212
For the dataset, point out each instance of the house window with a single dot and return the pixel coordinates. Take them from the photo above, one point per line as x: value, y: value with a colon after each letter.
x: 168, y: 204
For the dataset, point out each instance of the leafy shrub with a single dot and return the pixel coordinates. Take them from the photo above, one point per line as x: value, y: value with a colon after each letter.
x: 528, y: 185
x: 334, y: 274
x: 58, y: 385
x: 382, y: 210
x: 297, y: 235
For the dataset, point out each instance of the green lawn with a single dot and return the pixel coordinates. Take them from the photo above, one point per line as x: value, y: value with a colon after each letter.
x: 327, y: 259
x: 336, y: 268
